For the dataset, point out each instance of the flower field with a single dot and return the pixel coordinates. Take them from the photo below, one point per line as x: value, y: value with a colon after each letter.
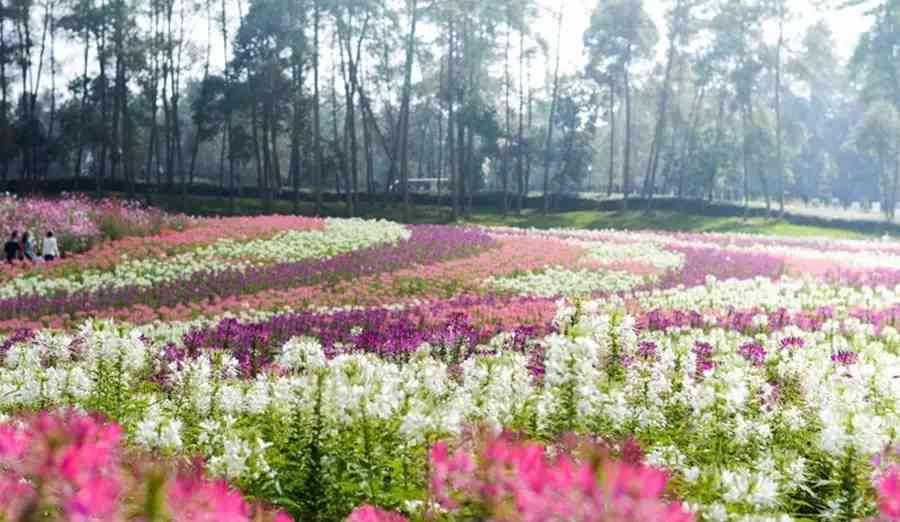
x: 280, y: 368
x: 80, y: 223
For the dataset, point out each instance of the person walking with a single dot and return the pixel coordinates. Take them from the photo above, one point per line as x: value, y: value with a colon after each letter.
x: 11, y: 248
x: 28, y: 246
x: 50, y: 248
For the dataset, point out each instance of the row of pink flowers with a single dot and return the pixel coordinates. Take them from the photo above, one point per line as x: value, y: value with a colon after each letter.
x: 466, y: 275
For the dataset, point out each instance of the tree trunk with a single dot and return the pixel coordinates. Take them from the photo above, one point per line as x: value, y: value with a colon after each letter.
x: 203, y: 91
x: 687, y: 147
x: 152, y: 147
x: 100, y: 172
x: 461, y: 126
x: 296, y: 165
x: 506, y: 153
x: 550, y: 122
x: 317, y: 122
x: 612, y: 136
x: 528, y: 155
x: 778, y: 116
x: 227, y: 130
x: 440, y: 135
x: 896, y: 187
x: 404, y: 109
x: 745, y: 157
x: 451, y: 136
x: 351, y: 159
x: 51, y: 127
x: 368, y: 150
x: 653, y: 161
x: 118, y: 43
x: 762, y: 174
x: 257, y: 155
x: 520, y: 163
x: 626, y: 163
x: 4, y: 92
x: 345, y: 148
x: 277, y: 181
x: 176, y: 105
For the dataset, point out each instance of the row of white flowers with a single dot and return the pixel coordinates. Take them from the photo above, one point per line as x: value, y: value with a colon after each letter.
x: 746, y: 436
x: 637, y: 252
x: 859, y: 254
x: 556, y: 281
x: 786, y: 293
x: 337, y: 237
x: 560, y: 281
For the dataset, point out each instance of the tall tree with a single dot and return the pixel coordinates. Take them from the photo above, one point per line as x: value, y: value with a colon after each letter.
x: 553, y: 101
x: 680, y: 26
x: 413, y: 10
x: 620, y: 36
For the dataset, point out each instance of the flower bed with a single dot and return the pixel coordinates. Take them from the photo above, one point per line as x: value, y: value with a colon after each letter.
x: 339, y: 368
x: 107, y: 256
x: 336, y: 237
x: 223, y: 279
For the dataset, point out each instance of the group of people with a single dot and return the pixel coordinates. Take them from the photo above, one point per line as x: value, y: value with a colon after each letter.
x: 23, y: 248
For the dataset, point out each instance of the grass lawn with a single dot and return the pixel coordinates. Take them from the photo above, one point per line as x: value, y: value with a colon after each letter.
x: 629, y: 220
x: 663, y: 220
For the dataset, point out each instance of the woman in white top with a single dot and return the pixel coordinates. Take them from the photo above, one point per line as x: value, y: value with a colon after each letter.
x: 50, y: 248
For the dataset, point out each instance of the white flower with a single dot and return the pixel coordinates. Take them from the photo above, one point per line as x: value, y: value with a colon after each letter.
x: 232, y: 462
x: 717, y: 513
x: 736, y: 485
x: 765, y: 491
x: 158, y: 431
x: 691, y: 474
x: 301, y: 353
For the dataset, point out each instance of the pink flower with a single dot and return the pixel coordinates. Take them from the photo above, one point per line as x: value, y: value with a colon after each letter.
x: 518, y: 481
x: 71, y: 464
x: 374, y: 514
x: 194, y: 499
x: 889, y: 494
x: 97, y: 499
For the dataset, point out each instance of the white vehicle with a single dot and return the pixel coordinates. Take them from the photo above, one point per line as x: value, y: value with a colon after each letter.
x: 423, y: 185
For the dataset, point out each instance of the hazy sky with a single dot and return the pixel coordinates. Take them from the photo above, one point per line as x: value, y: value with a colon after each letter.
x: 847, y: 24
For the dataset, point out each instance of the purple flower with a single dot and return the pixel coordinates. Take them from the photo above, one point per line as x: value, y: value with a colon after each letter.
x: 754, y: 353
x: 646, y: 350
x: 845, y: 358
x: 704, y: 353
x: 389, y: 333
x: 792, y: 342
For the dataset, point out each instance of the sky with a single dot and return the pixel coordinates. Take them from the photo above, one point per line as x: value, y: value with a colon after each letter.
x: 846, y: 24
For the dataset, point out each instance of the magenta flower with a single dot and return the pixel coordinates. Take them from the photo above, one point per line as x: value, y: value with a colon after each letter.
x: 72, y: 465
x: 374, y: 514
x: 792, y: 342
x: 889, y: 494
x: 754, y: 353
x: 195, y: 499
x: 507, y: 480
x: 704, y: 352
x: 845, y: 358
